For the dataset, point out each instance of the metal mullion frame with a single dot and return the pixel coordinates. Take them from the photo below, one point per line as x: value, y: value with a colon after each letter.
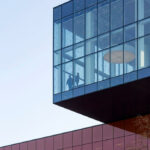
x: 73, y: 71
x: 123, y: 37
x: 53, y: 56
x: 110, y: 41
x: 97, y: 44
x: 137, y: 43
x: 61, y: 58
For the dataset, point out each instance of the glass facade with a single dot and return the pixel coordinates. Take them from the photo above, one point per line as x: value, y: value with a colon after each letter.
x: 99, y: 44
x: 127, y: 134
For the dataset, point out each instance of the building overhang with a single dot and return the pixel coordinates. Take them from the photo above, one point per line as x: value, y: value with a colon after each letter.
x: 113, y: 104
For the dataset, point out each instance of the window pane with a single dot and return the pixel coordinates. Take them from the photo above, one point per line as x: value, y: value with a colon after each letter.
x: 97, y: 146
x: 67, y: 76
x: 57, y: 57
x: 57, y: 13
x: 130, y: 32
x: 91, y: 22
x: 103, y: 65
x: 144, y: 27
x: 67, y: 33
x: 78, y: 72
x: 87, y: 135
x: 144, y: 52
x: 91, y: 69
x: 78, y: 50
x: 141, y: 140
x: 67, y: 140
x: 97, y: 134
x: 67, y: 9
x: 143, y: 8
x: 103, y: 42
x: 90, y: 2
x: 119, y: 144
x: 79, y: 27
x: 130, y: 142
x: 78, y: 5
x: 130, y: 11
x: 117, y: 61
x: 57, y: 79
x: 117, y: 37
x: 57, y: 35
x: 116, y: 14
x: 67, y: 54
x: 77, y: 138
x: 91, y: 46
x: 103, y: 17
x: 130, y: 56
x: 87, y: 147
x: 49, y: 143
x: 58, y: 142
x: 108, y: 145
x: 107, y: 131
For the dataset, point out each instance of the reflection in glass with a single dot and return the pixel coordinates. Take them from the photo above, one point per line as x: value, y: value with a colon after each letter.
x: 79, y: 27
x: 129, y: 142
x: 130, y: 56
x: 79, y: 50
x: 143, y: 9
x: 78, y: 72
x: 144, y: 52
x: 103, y: 41
x: 130, y: 11
x: 144, y: 27
x: 130, y: 32
x: 103, y: 17
x: 57, y: 35
x: 91, y: 46
x: 117, y: 37
x: 116, y: 14
x: 91, y: 69
x: 91, y: 22
x: 67, y: 54
x: 141, y: 141
x: 103, y: 66
x: 67, y: 76
x: 116, y: 61
x: 57, y: 79
x: 57, y: 57
x: 67, y: 33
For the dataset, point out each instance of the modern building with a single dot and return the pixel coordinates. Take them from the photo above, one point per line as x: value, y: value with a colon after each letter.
x: 131, y: 134
x: 101, y: 70
x: 102, y: 58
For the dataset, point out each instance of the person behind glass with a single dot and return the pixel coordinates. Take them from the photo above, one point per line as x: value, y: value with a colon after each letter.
x: 70, y: 82
x: 77, y: 79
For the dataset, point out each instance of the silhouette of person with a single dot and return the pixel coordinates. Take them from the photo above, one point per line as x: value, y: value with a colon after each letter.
x: 77, y: 79
x: 69, y: 82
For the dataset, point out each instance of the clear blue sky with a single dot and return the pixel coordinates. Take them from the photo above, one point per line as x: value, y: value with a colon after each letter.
x: 26, y: 109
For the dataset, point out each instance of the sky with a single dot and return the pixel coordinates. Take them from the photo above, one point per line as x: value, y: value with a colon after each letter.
x: 26, y: 109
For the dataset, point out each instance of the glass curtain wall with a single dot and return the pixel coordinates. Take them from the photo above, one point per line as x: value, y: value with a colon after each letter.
x: 99, y: 40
